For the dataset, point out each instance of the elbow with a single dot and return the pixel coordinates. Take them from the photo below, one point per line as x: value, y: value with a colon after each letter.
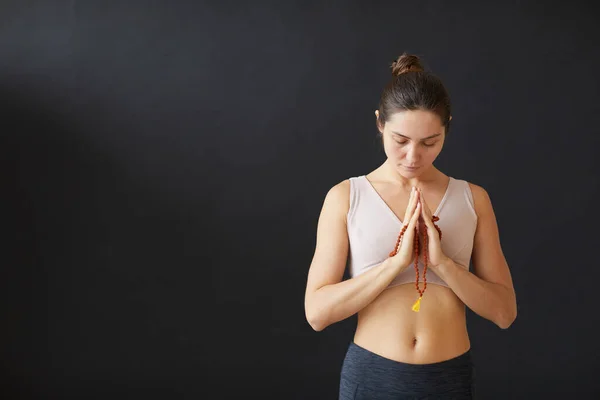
x: 505, y: 323
x: 315, y: 317
x: 316, y: 324
x: 506, y: 319
x: 507, y: 313
x: 315, y: 320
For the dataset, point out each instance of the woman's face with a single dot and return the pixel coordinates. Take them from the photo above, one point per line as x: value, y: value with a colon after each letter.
x: 413, y: 139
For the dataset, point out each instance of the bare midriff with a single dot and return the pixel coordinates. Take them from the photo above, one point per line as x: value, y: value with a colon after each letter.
x: 390, y: 328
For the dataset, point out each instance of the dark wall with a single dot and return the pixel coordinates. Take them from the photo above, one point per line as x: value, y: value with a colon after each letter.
x: 163, y: 166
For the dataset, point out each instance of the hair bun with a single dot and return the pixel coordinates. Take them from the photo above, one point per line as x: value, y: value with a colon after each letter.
x: 406, y: 63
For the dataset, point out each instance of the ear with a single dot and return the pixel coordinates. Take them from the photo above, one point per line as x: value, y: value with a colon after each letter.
x: 450, y: 119
x: 379, y: 127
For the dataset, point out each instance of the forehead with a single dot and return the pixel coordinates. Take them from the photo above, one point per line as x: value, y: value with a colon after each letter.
x: 415, y: 123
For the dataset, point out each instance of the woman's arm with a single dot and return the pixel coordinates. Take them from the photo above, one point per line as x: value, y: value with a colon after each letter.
x: 488, y: 291
x: 328, y: 299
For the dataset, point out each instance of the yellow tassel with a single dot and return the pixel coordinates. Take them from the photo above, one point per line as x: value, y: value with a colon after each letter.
x: 417, y: 306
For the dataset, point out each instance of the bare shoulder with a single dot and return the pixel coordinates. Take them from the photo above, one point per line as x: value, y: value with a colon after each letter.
x: 337, y: 198
x: 481, y: 199
x: 341, y: 189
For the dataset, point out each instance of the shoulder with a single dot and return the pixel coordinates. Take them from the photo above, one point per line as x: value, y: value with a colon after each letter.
x: 481, y: 199
x: 341, y: 188
x: 339, y: 193
x: 338, y: 197
x: 478, y: 191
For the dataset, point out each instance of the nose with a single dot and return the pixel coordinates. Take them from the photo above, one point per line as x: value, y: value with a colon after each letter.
x: 412, y: 155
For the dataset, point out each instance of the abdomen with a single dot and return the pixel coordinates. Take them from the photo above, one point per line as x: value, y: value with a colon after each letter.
x: 390, y: 328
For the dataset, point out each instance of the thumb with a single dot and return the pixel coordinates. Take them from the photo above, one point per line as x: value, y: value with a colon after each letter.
x: 431, y: 229
x: 412, y: 224
x: 415, y: 218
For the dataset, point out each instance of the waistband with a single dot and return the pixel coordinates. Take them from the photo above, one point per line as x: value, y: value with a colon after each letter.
x: 368, y: 369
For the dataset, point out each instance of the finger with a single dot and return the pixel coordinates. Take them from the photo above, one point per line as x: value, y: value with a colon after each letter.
x: 414, y: 195
x: 427, y: 219
x: 425, y: 205
x: 415, y: 216
x: 412, y: 204
x: 426, y: 210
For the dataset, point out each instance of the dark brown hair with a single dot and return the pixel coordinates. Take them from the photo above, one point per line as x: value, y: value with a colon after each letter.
x: 413, y: 88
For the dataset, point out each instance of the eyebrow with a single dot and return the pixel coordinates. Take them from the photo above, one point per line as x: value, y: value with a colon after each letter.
x: 428, y: 137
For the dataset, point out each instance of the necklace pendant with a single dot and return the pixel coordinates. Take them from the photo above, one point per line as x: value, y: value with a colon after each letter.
x: 417, y: 306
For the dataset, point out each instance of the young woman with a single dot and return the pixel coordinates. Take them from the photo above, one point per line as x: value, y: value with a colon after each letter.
x: 408, y: 285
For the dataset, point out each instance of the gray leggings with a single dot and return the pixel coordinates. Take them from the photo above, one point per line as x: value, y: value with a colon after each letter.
x: 366, y: 375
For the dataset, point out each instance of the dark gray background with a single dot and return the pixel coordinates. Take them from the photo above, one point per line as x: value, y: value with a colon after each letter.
x: 164, y: 163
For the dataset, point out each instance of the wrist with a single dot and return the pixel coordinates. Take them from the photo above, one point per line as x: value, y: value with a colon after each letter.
x: 445, y: 266
x: 397, y: 264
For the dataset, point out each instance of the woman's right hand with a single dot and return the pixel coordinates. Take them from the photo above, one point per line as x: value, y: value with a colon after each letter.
x: 406, y: 253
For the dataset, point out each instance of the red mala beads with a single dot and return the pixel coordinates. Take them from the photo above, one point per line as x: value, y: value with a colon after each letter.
x: 417, y: 306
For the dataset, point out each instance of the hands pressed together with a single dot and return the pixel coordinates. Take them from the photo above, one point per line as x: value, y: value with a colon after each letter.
x: 419, y: 216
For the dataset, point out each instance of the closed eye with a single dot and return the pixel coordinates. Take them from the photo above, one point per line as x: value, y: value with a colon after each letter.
x: 424, y: 144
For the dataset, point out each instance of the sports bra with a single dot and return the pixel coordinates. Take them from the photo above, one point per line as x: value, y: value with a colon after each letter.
x: 373, y: 229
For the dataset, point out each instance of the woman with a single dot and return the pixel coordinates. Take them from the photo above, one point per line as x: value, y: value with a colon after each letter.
x: 411, y: 338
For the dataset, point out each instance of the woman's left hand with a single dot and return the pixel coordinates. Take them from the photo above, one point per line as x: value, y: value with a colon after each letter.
x: 435, y: 255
